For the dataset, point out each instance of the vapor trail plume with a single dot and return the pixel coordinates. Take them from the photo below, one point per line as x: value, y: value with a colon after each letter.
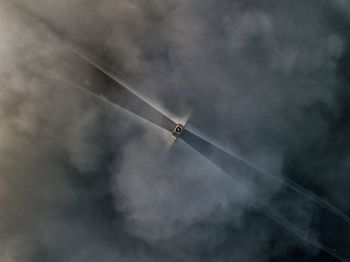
x: 155, y: 114
x: 102, y: 102
x: 268, y: 210
x: 284, y: 180
x: 280, y: 219
x: 104, y: 69
x: 239, y: 170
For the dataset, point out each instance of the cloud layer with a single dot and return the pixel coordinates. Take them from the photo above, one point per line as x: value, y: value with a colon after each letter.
x: 85, y: 182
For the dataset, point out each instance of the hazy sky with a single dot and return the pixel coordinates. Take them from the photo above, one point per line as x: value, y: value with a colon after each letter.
x: 267, y: 79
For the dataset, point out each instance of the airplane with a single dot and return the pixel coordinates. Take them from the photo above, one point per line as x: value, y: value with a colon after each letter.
x: 127, y: 98
x: 178, y: 130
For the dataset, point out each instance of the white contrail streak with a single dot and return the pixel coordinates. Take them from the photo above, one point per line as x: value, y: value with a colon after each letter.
x: 271, y: 212
x: 85, y: 92
x: 107, y: 71
x: 274, y: 215
x: 287, y: 182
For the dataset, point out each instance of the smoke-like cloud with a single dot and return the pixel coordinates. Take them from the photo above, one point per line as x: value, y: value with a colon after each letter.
x: 80, y: 183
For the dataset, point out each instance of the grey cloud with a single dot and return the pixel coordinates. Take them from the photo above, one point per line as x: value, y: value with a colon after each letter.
x: 261, y: 78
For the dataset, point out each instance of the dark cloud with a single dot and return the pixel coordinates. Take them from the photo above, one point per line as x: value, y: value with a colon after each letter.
x: 82, y: 181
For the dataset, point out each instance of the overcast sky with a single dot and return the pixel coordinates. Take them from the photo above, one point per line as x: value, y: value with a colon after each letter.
x: 268, y: 80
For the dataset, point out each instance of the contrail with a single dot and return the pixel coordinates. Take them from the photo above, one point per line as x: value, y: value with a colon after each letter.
x: 83, y: 92
x: 155, y: 112
x: 273, y: 214
x: 107, y: 71
x: 286, y: 182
